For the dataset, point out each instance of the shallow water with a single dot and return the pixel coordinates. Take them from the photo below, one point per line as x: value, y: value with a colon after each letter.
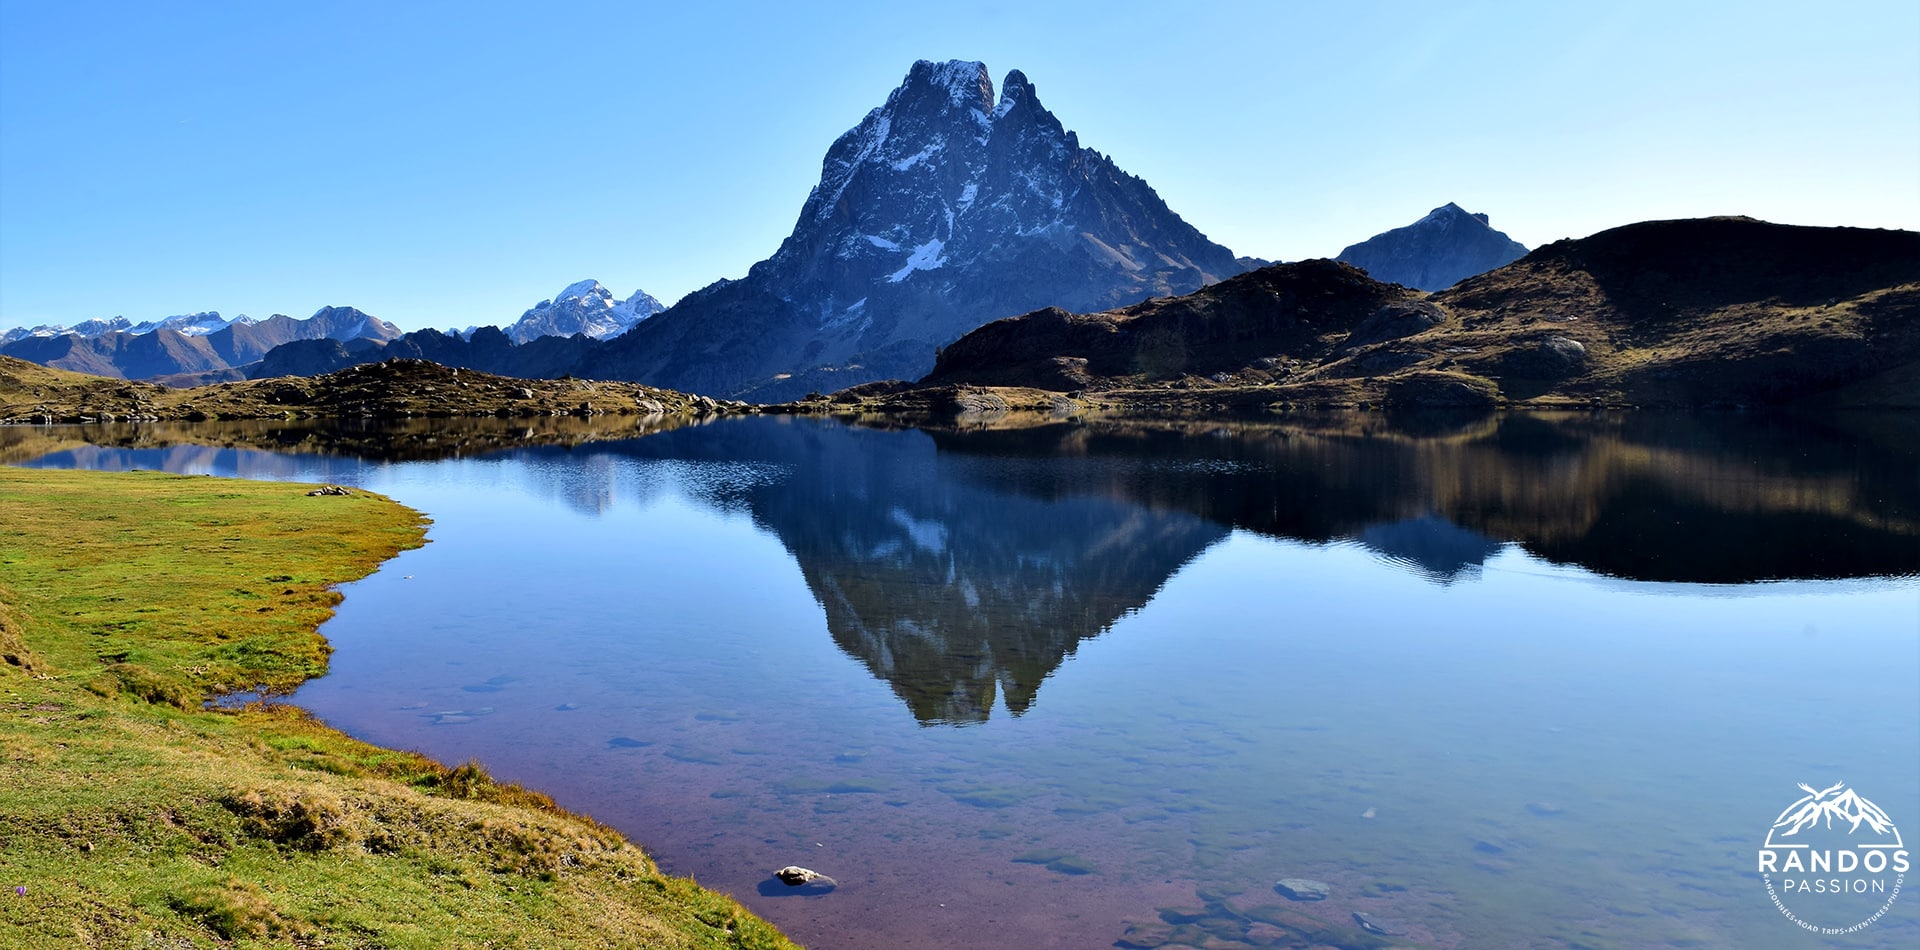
x: 1529, y: 681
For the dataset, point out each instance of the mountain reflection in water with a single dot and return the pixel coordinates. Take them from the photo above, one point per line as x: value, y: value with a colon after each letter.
x: 963, y: 567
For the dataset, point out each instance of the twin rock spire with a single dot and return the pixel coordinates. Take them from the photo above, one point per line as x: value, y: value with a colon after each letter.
x: 943, y: 209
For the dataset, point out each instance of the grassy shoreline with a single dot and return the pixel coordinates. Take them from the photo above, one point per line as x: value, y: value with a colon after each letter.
x: 133, y: 817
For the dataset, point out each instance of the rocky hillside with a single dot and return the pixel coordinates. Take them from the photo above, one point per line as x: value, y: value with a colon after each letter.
x: 945, y: 208
x: 1447, y: 246
x: 1263, y: 318
x: 487, y: 349
x: 396, y: 389
x: 1706, y: 312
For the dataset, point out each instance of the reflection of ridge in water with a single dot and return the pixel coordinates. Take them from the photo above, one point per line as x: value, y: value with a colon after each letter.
x: 955, y: 594
x: 984, y: 591
x: 1667, y: 498
x: 1430, y: 546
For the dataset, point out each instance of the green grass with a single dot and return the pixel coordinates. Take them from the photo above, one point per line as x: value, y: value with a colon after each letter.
x: 134, y: 818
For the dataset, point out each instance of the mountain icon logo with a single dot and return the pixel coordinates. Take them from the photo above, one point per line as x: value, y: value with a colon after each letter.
x: 1823, y: 808
x: 1833, y: 862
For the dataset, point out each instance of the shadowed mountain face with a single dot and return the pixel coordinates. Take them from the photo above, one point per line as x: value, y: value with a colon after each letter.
x: 1715, y: 312
x: 1286, y: 309
x: 943, y: 209
x: 487, y: 349
x: 1447, y: 246
x: 962, y: 568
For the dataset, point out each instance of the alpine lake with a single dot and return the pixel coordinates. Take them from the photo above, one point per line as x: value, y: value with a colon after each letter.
x: 1501, y: 681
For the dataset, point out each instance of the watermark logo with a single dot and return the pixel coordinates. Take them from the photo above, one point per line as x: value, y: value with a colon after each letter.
x: 1833, y: 861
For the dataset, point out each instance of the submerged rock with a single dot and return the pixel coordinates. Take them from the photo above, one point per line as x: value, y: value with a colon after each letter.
x: 1372, y: 925
x: 1301, y: 889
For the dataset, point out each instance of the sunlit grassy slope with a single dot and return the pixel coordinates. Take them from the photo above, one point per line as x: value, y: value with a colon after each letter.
x: 134, y: 818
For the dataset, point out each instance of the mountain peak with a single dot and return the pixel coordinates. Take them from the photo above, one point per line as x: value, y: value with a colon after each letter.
x: 1441, y: 249
x: 1452, y: 212
x: 584, y: 306
x: 942, y: 209
x: 1014, y: 91
x: 964, y: 82
x: 582, y: 289
x: 348, y: 323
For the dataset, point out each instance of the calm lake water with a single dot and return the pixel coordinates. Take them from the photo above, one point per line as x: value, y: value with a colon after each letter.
x: 1525, y: 681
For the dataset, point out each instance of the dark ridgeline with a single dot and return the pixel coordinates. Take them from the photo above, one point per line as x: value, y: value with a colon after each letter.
x: 1710, y: 312
x: 1447, y: 246
x: 1284, y: 309
x: 943, y: 209
x: 487, y: 349
x: 1714, y: 312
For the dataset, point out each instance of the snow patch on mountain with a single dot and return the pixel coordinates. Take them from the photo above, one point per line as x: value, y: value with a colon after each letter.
x: 966, y: 81
x: 916, y: 158
x: 925, y: 257
x: 190, y: 324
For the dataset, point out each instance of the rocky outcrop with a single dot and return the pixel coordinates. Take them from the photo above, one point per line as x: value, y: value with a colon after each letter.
x: 395, y: 389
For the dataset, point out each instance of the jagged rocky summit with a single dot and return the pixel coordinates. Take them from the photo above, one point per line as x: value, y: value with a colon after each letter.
x: 584, y: 307
x: 944, y: 209
x: 1447, y: 246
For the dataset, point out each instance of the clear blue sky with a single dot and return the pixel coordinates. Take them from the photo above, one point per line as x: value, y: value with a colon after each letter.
x: 451, y: 164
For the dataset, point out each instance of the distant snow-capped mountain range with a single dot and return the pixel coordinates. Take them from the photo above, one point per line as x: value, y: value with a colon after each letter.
x: 206, y: 347
x: 582, y: 307
x: 188, y: 324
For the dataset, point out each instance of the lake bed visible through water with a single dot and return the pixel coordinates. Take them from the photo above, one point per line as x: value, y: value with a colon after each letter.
x: 1518, y: 681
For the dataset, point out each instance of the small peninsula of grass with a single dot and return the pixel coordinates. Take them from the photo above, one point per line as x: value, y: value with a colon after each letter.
x: 132, y: 817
